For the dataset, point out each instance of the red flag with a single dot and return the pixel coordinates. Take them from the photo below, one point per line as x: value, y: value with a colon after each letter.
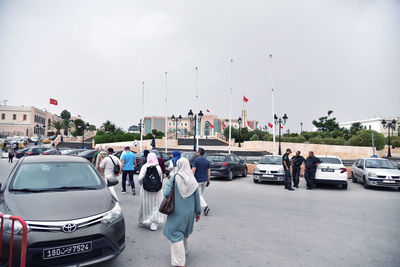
x: 260, y: 128
x: 211, y: 125
x: 79, y: 116
x: 245, y: 99
x: 281, y: 126
x: 223, y: 125
x: 208, y: 110
x: 270, y: 125
x: 53, y: 102
x: 248, y: 123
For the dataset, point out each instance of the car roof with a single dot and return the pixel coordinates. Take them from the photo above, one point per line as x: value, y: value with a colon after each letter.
x: 375, y: 158
x: 327, y: 156
x: 55, y: 158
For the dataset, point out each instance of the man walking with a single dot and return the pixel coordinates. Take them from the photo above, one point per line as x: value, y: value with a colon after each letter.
x: 128, y: 168
x: 286, y: 168
x: 296, y: 167
x: 311, y: 167
x: 108, y: 164
x: 201, y: 170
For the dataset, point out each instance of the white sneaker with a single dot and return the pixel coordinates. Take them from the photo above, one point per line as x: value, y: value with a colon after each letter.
x: 153, y: 227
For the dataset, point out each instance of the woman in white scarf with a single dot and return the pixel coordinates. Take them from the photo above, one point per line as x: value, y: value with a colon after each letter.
x: 187, y: 208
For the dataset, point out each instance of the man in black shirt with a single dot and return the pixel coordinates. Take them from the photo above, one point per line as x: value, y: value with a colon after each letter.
x: 311, y: 167
x: 296, y: 166
x: 286, y: 168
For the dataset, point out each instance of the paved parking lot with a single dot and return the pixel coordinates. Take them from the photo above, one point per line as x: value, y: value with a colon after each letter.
x: 265, y: 225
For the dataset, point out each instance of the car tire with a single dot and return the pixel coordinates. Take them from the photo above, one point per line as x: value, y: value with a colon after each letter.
x: 245, y: 172
x: 344, y: 186
x: 230, y: 175
x: 353, y: 179
x: 255, y: 181
x: 366, y: 186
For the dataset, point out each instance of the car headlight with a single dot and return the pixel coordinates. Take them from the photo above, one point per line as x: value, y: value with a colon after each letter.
x: 256, y: 169
x: 372, y: 174
x: 281, y: 170
x: 113, y: 215
x: 7, y: 227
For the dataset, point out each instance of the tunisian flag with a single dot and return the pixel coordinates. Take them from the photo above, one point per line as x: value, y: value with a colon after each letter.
x: 270, y: 125
x: 223, y: 125
x: 212, y: 125
x: 245, y: 99
x: 248, y: 124
x: 208, y: 110
x: 53, y: 102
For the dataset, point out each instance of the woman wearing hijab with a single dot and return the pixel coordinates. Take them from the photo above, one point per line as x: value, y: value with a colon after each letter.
x: 173, y: 162
x: 149, y: 216
x: 187, y: 208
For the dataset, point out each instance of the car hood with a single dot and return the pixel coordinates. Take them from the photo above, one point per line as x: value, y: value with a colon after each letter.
x: 269, y: 167
x: 384, y: 172
x: 59, y: 206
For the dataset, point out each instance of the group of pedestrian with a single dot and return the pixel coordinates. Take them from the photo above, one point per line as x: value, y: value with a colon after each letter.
x: 311, y: 163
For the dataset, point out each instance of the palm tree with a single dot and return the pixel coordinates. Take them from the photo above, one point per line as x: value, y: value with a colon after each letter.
x: 66, y: 125
x: 108, y: 126
x: 58, y: 125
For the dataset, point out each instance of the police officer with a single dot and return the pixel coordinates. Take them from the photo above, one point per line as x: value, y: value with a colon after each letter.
x: 296, y: 166
x: 286, y: 168
x: 311, y: 167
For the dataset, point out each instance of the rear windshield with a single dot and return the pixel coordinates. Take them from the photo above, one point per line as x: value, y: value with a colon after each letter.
x: 379, y: 164
x: 216, y: 158
x: 188, y: 156
x: 55, y: 175
x: 273, y: 160
x: 86, y: 152
x: 330, y: 160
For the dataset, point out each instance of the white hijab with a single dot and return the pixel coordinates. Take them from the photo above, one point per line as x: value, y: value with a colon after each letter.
x: 185, y: 179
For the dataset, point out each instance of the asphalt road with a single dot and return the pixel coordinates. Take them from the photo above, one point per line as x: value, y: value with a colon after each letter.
x: 265, y: 225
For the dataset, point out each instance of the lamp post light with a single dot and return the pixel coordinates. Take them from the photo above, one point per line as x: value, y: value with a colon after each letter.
x: 83, y: 127
x: 240, y: 122
x: 301, y: 127
x: 280, y: 121
x: 193, y: 117
x: 39, y: 132
x: 390, y: 126
x: 176, y: 120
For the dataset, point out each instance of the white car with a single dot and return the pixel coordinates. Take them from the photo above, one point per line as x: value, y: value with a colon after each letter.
x: 331, y: 171
x: 269, y: 168
x: 375, y: 172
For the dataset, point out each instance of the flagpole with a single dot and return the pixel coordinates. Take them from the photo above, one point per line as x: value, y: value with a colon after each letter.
x: 230, y: 109
x: 198, y: 108
x: 142, y: 124
x: 166, y: 112
x: 273, y: 109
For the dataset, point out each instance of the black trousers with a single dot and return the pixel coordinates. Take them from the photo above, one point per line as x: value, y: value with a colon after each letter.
x: 130, y: 175
x: 309, y: 175
x: 10, y: 157
x: 288, y: 179
x: 296, y: 175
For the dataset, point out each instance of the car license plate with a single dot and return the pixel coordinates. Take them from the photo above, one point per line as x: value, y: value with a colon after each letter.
x: 50, y: 253
x: 389, y: 181
x: 268, y: 176
x: 328, y: 170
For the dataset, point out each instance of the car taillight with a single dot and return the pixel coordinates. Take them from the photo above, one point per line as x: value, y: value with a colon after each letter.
x: 29, y: 153
x: 45, y: 153
x: 225, y: 164
x: 342, y: 170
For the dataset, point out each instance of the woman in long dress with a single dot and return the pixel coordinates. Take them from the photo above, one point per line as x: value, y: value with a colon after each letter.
x: 187, y: 209
x: 149, y: 216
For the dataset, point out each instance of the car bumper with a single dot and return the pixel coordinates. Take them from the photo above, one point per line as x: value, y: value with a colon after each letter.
x: 275, y: 177
x: 384, y: 182
x: 330, y: 181
x: 219, y: 172
x: 107, y: 243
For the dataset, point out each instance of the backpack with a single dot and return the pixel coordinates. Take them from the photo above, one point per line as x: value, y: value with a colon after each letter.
x: 116, y: 167
x: 152, y: 181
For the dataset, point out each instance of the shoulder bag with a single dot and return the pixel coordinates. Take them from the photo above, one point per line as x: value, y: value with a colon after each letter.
x: 168, y: 204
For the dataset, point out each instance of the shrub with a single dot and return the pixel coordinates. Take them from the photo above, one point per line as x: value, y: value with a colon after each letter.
x: 363, y: 138
x: 395, y: 141
x: 254, y: 137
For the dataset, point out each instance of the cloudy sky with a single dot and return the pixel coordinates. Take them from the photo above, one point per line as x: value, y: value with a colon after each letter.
x: 92, y: 56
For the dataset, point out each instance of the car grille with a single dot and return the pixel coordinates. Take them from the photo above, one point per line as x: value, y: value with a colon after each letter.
x: 395, y: 177
x: 101, y: 247
x: 396, y: 184
x: 263, y: 171
x: 381, y: 176
x: 273, y: 171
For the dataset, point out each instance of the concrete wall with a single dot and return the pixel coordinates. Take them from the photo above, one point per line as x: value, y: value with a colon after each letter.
x: 344, y: 152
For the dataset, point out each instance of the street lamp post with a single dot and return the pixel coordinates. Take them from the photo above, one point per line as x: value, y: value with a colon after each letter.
x: 390, y: 126
x: 206, y: 126
x: 38, y: 131
x: 301, y: 127
x: 280, y: 121
x: 240, y: 122
x: 176, y: 120
x: 193, y: 117
x: 83, y: 127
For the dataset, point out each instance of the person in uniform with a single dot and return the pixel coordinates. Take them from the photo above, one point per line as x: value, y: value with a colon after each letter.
x: 311, y: 167
x: 296, y: 167
x: 286, y: 168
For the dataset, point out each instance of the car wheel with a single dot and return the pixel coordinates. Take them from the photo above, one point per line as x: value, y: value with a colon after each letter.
x: 230, y: 175
x: 245, y: 172
x: 353, y: 179
x: 255, y: 181
x: 366, y: 186
x: 344, y: 186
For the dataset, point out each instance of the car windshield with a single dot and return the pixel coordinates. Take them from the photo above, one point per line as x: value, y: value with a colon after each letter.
x: 379, y: 164
x: 85, y: 153
x: 273, y: 160
x: 55, y: 176
x: 330, y: 160
x: 216, y: 158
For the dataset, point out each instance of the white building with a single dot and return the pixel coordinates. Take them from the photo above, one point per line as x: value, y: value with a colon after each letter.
x: 373, y: 124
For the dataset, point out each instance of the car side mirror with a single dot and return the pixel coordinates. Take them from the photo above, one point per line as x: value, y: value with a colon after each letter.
x: 111, y: 182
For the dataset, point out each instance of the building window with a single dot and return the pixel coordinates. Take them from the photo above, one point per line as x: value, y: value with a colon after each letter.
x: 3, y: 116
x: 185, y: 123
x: 24, y: 117
x: 169, y: 123
x: 14, y: 117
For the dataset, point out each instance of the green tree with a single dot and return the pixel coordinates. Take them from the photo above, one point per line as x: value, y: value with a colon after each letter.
x: 355, y: 128
x: 92, y: 128
x: 65, y: 115
x: 326, y: 123
x: 58, y: 125
x: 79, y: 127
x: 254, y: 137
x: 364, y: 138
x: 66, y: 126
x: 108, y: 126
x: 395, y: 141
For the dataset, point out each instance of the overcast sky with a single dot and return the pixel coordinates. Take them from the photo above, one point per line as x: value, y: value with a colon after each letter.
x: 92, y: 56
